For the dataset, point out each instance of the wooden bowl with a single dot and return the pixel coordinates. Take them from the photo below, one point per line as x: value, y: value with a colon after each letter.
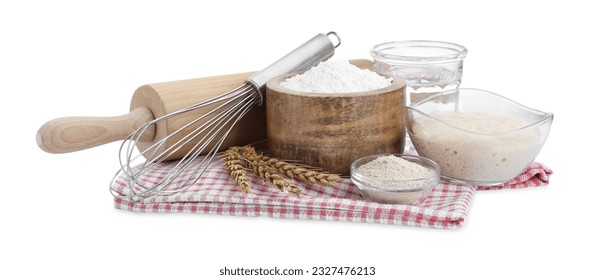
x: 330, y: 130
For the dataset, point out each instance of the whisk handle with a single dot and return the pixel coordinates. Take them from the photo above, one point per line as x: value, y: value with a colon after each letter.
x: 304, y: 57
x: 69, y: 134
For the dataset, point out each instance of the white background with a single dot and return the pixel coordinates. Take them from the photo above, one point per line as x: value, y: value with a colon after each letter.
x: 61, y: 58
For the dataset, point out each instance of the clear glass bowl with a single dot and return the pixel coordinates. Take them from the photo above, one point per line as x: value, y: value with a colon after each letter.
x: 408, y: 192
x: 477, y: 137
x: 427, y: 66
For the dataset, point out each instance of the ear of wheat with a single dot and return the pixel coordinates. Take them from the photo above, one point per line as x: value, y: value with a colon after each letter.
x: 306, y: 174
x: 235, y: 169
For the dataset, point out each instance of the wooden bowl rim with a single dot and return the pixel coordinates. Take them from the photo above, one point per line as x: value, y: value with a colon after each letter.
x: 275, y: 85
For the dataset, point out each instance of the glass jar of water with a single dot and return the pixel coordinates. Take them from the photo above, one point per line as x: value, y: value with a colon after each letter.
x: 428, y: 66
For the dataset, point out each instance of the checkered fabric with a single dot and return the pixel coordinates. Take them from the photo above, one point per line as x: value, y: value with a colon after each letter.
x: 216, y: 193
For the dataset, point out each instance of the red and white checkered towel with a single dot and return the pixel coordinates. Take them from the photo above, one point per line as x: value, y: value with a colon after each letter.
x: 216, y: 193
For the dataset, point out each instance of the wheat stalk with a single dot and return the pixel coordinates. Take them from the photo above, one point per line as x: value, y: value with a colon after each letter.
x: 270, y: 170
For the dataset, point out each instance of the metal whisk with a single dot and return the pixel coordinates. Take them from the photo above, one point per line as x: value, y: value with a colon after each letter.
x: 145, y: 170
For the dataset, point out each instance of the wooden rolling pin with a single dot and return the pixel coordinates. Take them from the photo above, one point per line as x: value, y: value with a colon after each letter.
x: 69, y: 134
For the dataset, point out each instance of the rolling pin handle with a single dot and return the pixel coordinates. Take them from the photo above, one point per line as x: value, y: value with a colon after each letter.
x: 70, y: 134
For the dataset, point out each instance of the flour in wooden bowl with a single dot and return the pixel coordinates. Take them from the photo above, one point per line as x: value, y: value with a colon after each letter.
x: 336, y: 76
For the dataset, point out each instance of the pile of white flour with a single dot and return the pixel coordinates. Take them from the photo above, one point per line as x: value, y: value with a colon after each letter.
x: 336, y: 76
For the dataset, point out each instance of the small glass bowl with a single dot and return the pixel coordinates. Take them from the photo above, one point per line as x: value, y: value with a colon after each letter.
x: 485, y: 152
x: 407, y: 192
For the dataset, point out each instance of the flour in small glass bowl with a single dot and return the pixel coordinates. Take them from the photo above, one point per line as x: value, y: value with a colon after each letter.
x: 395, y: 179
x: 389, y: 169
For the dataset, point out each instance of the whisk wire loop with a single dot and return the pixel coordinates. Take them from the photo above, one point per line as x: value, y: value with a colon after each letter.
x: 227, y: 111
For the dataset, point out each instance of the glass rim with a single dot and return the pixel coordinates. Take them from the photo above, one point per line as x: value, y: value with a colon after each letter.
x: 544, y: 117
x: 456, y: 51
